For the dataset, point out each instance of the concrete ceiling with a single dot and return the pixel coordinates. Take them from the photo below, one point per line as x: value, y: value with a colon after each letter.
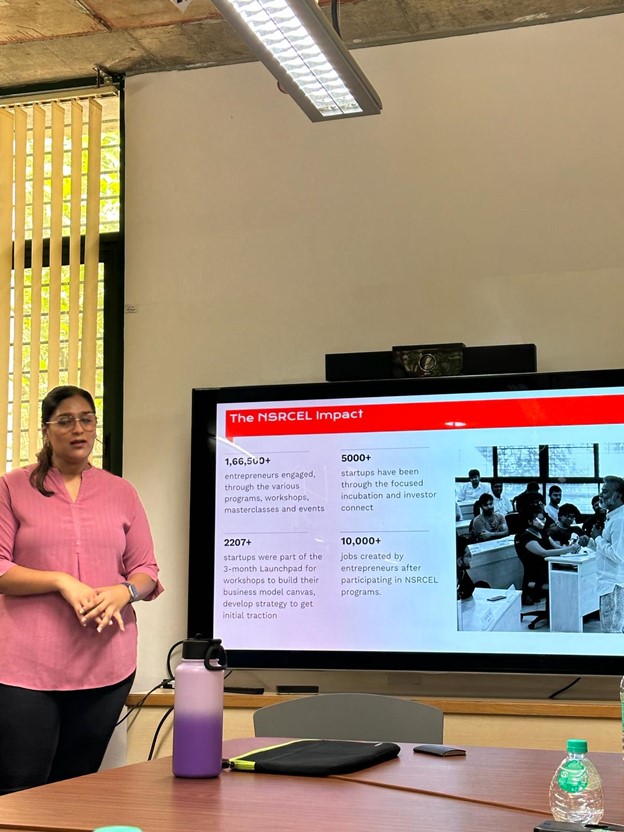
x: 50, y: 41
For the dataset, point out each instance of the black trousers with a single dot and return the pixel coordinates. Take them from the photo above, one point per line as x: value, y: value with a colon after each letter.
x: 47, y: 736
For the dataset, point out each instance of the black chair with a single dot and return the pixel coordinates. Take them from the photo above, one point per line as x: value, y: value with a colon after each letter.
x: 514, y: 522
x: 534, y: 585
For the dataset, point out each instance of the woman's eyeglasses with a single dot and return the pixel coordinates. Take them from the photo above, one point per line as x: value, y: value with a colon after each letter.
x: 67, y: 422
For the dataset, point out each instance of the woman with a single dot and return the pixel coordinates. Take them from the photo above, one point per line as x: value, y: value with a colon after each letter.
x: 75, y: 552
x: 531, y: 551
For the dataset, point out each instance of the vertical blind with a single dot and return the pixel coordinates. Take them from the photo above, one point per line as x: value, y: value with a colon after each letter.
x: 53, y: 192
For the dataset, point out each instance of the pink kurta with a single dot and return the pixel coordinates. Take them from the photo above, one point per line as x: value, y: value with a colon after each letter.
x: 103, y: 538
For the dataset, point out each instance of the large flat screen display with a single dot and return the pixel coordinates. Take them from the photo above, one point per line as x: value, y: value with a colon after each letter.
x: 327, y: 519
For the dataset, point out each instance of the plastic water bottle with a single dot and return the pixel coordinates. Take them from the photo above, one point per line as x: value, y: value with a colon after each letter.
x: 576, y: 794
x: 198, y: 709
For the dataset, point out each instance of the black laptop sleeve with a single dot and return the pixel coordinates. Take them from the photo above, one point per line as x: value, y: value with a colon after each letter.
x: 315, y: 758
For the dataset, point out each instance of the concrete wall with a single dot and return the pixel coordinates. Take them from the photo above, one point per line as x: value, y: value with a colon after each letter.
x: 485, y: 205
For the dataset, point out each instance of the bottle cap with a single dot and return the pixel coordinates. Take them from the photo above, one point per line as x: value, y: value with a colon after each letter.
x: 577, y: 746
x: 117, y: 829
x: 208, y: 650
x: 196, y: 648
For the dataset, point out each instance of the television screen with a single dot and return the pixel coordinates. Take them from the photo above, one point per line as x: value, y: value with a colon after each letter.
x: 338, y: 525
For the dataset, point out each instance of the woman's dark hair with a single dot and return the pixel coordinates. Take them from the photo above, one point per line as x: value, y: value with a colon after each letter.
x: 44, y: 458
x: 532, y: 511
x: 569, y: 509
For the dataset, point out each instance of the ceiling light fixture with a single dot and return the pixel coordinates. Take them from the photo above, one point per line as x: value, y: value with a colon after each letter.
x: 297, y: 44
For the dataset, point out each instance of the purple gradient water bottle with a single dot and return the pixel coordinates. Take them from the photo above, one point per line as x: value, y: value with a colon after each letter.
x: 198, y: 709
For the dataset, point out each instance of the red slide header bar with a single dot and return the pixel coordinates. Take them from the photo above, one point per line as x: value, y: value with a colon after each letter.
x: 382, y: 418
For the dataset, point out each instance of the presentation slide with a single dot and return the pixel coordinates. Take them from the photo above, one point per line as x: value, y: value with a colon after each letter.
x: 336, y: 520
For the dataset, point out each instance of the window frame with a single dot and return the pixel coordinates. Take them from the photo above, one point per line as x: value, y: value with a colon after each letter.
x: 111, y: 256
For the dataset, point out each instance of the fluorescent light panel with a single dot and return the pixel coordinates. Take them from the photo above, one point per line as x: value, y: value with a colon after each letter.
x: 296, y: 43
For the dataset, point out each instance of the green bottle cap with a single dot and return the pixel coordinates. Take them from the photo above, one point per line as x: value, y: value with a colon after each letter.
x: 577, y: 746
x: 117, y: 829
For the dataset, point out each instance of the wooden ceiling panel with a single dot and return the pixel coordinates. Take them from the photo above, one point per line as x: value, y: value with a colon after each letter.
x: 205, y: 43
x: 121, y: 14
x: 63, y: 59
x: 52, y: 41
x: 360, y: 23
x: 457, y: 17
x: 27, y: 20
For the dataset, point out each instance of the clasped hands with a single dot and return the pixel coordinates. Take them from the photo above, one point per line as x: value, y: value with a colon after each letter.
x: 100, y: 605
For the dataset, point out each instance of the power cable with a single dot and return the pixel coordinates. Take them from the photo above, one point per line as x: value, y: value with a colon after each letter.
x: 335, y: 13
x: 161, y: 684
x: 157, y: 731
x: 567, y: 687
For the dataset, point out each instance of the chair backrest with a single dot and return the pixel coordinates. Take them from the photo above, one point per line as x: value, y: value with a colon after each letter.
x: 532, y: 577
x: 514, y: 522
x: 351, y: 716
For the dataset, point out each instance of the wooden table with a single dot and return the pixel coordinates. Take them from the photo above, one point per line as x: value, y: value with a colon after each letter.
x: 488, y: 790
x: 148, y: 796
x: 511, y: 777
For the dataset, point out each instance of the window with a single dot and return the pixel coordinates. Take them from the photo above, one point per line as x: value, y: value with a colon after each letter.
x: 578, y: 469
x: 60, y: 263
x: 518, y: 461
x: 572, y: 460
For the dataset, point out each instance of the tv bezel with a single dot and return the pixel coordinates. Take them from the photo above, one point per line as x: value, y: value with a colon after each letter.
x: 201, y: 582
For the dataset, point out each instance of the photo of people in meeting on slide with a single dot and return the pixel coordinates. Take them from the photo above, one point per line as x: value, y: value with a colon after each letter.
x: 609, y: 547
x: 76, y: 552
x: 474, y: 488
x: 563, y: 531
x: 488, y: 524
x: 502, y: 503
x: 539, y: 528
x: 554, y: 499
